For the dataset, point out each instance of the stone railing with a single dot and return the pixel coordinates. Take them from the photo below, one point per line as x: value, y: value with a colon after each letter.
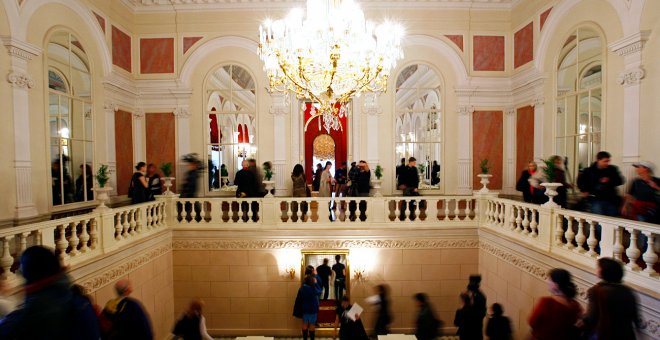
x: 568, y: 235
x: 579, y: 237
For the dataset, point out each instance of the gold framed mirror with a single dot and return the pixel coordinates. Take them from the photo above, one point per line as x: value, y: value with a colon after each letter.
x: 335, y: 286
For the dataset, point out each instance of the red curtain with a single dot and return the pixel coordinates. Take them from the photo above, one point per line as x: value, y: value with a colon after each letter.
x: 313, y: 130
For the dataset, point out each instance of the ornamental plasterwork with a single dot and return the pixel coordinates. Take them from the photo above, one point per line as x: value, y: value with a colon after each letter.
x: 322, y: 244
x: 182, y: 112
x: 280, y: 105
x: 539, y: 101
x: 510, y: 112
x: 465, y: 110
x: 22, y: 80
x: 106, y: 277
x: 632, y: 77
x: 138, y: 114
x: 110, y: 106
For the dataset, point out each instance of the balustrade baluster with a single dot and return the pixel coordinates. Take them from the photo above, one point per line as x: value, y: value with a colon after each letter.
x: 446, y: 204
x: 118, y: 226
x: 202, y: 212
x: 468, y: 209
x: 533, y: 214
x: 84, y: 236
x: 517, y: 225
x: 650, y: 257
x: 501, y: 216
x: 592, y: 241
x: 457, y: 211
x: 22, y: 243
x: 250, y: 212
x: 633, y: 251
x: 134, y: 216
x: 525, y: 221
x: 6, y: 260
x: 559, y: 229
x: 617, y: 249
x: 580, y: 237
x: 149, y: 211
x: 126, y: 224
x: 61, y: 244
x: 397, y: 209
x: 476, y: 210
x: 569, y: 234
x: 73, y: 239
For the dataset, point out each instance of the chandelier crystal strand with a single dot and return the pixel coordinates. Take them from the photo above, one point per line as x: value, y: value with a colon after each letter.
x: 329, y: 56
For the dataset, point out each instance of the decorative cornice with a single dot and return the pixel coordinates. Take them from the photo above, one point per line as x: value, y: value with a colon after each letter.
x: 182, y: 112
x: 322, y: 244
x: 107, y: 276
x: 517, y: 261
x: 465, y: 110
x: 631, y: 44
x: 21, y: 80
x: 20, y: 49
x: 632, y: 76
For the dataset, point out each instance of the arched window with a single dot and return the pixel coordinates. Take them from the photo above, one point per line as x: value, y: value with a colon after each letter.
x: 70, y: 120
x: 230, y: 111
x: 579, y: 98
x: 419, y: 122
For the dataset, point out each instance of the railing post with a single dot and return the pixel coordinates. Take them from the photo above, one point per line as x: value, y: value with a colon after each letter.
x: 169, y: 220
x: 546, y: 227
x: 607, y: 231
x: 269, y: 210
x: 376, y: 209
x: 106, y: 227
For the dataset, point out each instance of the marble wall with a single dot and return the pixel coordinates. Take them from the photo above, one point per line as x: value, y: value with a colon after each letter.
x: 456, y: 39
x: 121, y: 49
x: 101, y: 21
x: 156, y: 55
x: 524, y: 137
x: 523, y: 45
x: 488, y: 143
x: 161, y: 139
x: 488, y: 53
x: 124, y: 150
x: 188, y: 42
x: 544, y: 17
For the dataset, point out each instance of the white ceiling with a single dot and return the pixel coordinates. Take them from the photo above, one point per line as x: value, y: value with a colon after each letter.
x: 202, y: 5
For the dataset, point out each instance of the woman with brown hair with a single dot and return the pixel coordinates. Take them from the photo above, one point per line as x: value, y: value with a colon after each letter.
x: 556, y: 316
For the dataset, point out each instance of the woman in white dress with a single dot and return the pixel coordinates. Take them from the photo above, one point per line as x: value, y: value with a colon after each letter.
x: 326, y: 181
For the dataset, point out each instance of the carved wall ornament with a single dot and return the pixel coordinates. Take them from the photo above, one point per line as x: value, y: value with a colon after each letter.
x: 19, y: 49
x: 110, y: 106
x: 631, y: 77
x: 182, y: 112
x: 22, y: 80
x: 371, y: 106
x: 510, y: 112
x: 109, y: 275
x: 323, y: 244
x: 465, y: 110
x: 539, y: 101
x: 138, y: 114
x: 280, y: 103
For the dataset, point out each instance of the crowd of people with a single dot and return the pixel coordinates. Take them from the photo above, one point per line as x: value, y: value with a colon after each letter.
x: 65, y: 189
x: 598, y: 188
x: 353, y: 182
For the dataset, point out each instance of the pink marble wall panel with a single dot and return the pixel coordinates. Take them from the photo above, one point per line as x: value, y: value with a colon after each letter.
x: 157, y: 55
x: 121, y: 49
x: 544, y: 17
x: 456, y: 39
x: 160, y: 139
x: 488, y: 53
x: 101, y: 21
x: 188, y: 42
x: 124, y: 150
x: 488, y: 143
x: 523, y: 45
x: 524, y: 137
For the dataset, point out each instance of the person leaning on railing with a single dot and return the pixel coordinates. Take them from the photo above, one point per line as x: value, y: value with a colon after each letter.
x: 642, y: 200
x: 598, y: 184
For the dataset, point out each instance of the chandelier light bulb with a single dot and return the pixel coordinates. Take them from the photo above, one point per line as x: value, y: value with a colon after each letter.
x: 329, y: 55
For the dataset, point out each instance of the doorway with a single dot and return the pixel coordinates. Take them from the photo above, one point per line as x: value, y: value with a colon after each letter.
x: 322, y: 145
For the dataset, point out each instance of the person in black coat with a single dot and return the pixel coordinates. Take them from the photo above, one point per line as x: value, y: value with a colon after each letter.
x: 498, y: 326
x: 384, y: 317
x: 245, y: 182
x: 363, y: 180
x: 427, y: 324
x: 349, y: 329
x: 316, y: 181
x: 189, y: 189
x: 411, y: 175
x: 465, y: 319
x: 599, y: 182
x: 139, y: 191
x: 523, y: 184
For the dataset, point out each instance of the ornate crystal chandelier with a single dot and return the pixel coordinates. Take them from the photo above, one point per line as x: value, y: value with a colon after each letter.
x: 330, y: 56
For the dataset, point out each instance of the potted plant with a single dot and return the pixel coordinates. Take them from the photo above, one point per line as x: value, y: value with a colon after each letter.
x: 167, y: 173
x: 268, y: 176
x: 224, y: 175
x: 484, y: 175
x: 102, y: 178
x: 550, y: 185
x: 376, y: 183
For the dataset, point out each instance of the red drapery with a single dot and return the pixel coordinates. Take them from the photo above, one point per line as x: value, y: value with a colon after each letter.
x: 313, y: 130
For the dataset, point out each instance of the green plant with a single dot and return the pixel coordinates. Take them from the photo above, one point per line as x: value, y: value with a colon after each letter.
x: 549, y: 169
x: 102, y: 175
x: 166, y: 169
x: 485, y: 168
x: 268, y: 170
x: 421, y: 167
x: 223, y: 171
x: 378, y: 172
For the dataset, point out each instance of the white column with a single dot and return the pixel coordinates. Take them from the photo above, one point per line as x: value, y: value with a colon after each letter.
x: 354, y: 153
x: 182, y: 134
x: 21, y: 53
x: 539, y: 110
x: 109, y: 108
x: 373, y: 110
x: 464, y: 173
x: 279, y: 109
x: 630, y: 48
x: 139, y: 149
x: 509, y: 156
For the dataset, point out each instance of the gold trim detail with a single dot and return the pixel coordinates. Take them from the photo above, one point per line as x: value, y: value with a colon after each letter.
x: 323, y: 244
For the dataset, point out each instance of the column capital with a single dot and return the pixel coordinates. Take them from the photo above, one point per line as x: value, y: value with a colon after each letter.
x: 538, y: 101
x: 19, y: 49
x: 631, y: 44
x: 182, y: 112
x: 20, y: 80
x: 110, y: 106
x: 631, y: 76
x: 138, y: 114
x: 465, y: 110
x: 510, y: 112
x: 280, y: 103
x: 370, y: 105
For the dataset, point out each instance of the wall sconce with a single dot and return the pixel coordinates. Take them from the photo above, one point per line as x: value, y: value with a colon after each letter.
x: 291, y: 270
x: 359, y: 274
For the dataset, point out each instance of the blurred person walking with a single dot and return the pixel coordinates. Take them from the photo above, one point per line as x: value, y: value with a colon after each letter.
x: 556, y: 316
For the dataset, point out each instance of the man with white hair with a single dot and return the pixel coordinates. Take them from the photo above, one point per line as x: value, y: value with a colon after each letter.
x: 126, y: 318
